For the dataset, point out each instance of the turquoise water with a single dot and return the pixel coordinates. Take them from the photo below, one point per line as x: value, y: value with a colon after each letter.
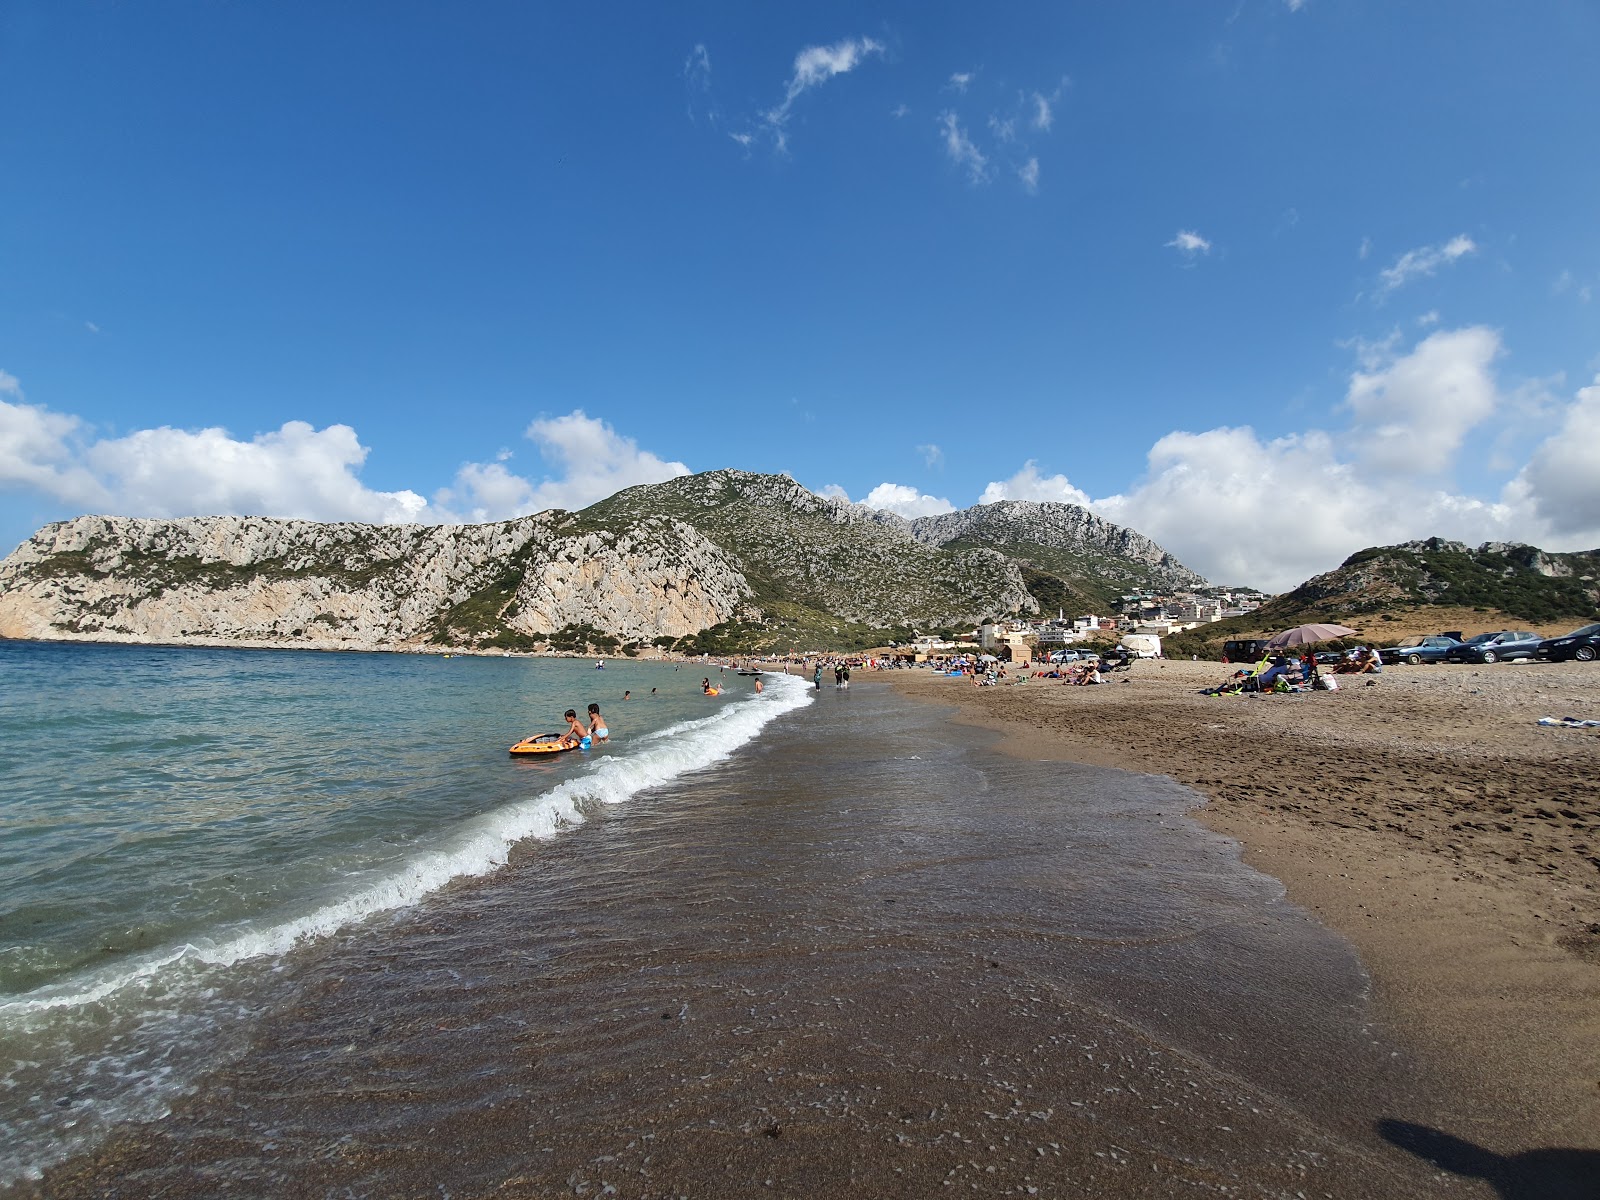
x: 172, y: 818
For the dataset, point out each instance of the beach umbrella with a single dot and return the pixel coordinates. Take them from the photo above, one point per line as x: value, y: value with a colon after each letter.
x: 987, y: 658
x: 1305, y: 635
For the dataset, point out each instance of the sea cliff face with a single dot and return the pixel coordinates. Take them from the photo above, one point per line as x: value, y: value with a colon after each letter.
x: 258, y: 581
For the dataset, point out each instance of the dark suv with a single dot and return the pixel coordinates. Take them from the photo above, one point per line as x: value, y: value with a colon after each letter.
x: 1581, y: 644
x: 1492, y: 647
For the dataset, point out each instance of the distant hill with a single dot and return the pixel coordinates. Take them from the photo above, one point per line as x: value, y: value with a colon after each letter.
x: 1391, y: 592
x: 724, y: 561
x: 1066, y: 550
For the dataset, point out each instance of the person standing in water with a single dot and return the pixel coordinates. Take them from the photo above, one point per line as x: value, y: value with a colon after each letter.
x: 576, y: 734
x: 758, y: 685
x: 597, y: 724
x: 817, y: 676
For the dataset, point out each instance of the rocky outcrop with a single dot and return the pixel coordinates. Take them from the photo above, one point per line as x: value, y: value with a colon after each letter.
x: 1064, y: 539
x: 260, y: 581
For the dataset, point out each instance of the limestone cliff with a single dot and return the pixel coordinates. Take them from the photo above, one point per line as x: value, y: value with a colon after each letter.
x: 259, y: 581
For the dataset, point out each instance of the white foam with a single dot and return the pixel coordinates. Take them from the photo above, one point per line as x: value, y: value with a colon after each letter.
x: 479, y: 847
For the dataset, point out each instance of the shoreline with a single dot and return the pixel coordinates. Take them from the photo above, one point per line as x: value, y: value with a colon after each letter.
x: 1427, y: 819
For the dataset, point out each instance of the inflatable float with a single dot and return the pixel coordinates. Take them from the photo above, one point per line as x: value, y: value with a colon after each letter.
x: 713, y: 691
x: 542, y: 743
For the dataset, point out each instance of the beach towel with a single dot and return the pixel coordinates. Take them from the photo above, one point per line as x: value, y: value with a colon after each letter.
x: 1570, y: 722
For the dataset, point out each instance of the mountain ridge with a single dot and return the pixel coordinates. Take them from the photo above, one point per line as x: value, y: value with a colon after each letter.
x: 721, y: 558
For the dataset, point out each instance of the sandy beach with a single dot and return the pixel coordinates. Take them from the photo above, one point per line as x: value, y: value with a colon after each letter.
x: 1427, y: 817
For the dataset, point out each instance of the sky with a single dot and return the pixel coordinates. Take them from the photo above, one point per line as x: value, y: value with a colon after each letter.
x: 1270, y: 281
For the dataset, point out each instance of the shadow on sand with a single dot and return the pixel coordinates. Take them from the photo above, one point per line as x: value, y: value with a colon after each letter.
x: 1553, y: 1174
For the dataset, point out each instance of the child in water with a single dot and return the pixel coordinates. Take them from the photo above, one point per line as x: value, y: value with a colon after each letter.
x: 576, y: 734
x: 597, y: 725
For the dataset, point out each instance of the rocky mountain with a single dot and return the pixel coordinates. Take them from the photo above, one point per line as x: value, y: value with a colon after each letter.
x: 1092, y: 560
x: 723, y: 560
x: 1392, y: 592
x: 1519, y: 580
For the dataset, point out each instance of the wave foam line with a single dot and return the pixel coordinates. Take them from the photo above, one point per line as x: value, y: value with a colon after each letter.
x: 482, y: 846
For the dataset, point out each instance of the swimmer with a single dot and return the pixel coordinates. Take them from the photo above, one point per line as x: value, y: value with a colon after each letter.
x: 627, y: 695
x: 758, y: 685
x: 597, y: 724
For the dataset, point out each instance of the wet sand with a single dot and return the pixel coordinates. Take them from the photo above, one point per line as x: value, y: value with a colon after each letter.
x: 1427, y: 817
x: 863, y: 957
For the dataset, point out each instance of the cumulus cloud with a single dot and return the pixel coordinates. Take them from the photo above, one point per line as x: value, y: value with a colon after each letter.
x: 1189, y: 244
x: 592, y: 461
x: 961, y: 149
x: 1424, y: 261
x: 297, y: 470
x: 1411, y: 415
x: 294, y: 471
x: 36, y: 453
x: 906, y: 501
x: 1028, y: 484
x: 1273, y: 512
x: 1562, y: 479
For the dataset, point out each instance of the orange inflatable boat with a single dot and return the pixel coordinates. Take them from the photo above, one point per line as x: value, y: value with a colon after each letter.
x: 542, y: 743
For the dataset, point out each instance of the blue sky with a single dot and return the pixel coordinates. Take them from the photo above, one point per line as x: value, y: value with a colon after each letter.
x: 1269, y: 280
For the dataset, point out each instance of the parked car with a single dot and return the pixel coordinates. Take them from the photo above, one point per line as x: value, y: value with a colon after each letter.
x: 1581, y: 644
x: 1243, y: 649
x: 1064, y: 656
x: 1430, y: 649
x: 1492, y: 647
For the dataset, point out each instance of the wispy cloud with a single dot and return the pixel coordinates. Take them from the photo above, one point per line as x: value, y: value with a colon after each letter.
x: 91, y: 327
x: 961, y: 149
x: 1190, y: 245
x: 1028, y: 172
x: 961, y: 81
x: 813, y: 66
x: 932, y: 456
x: 1424, y: 261
x: 1365, y: 249
x: 1044, y: 112
x: 1294, y: 5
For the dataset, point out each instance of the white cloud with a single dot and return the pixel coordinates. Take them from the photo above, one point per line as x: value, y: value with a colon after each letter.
x: 1003, y: 128
x: 1365, y: 249
x: 1562, y: 478
x: 593, y: 461
x: 296, y: 470
x: 1411, y: 415
x: 91, y: 327
x: 1028, y: 172
x: 1043, y: 115
x: 697, y: 69
x: 1431, y: 317
x: 1294, y: 5
x: 961, y: 149
x: 36, y: 453
x: 1028, y: 484
x: 813, y: 66
x: 960, y: 81
x: 1189, y: 244
x: 1425, y: 260
x: 834, y: 492
x: 898, y: 111
x: 906, y: 501
x: 932, y: 456
x: 1272, y: 513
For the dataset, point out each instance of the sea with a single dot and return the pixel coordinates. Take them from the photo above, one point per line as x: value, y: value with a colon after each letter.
x: 295, y: 923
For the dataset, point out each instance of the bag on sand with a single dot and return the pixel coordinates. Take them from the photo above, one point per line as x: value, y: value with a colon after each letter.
x: 1326, y: 683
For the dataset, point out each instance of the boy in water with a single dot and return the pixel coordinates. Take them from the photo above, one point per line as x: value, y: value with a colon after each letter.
x: 576, y: 734
x: 597, y: 724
